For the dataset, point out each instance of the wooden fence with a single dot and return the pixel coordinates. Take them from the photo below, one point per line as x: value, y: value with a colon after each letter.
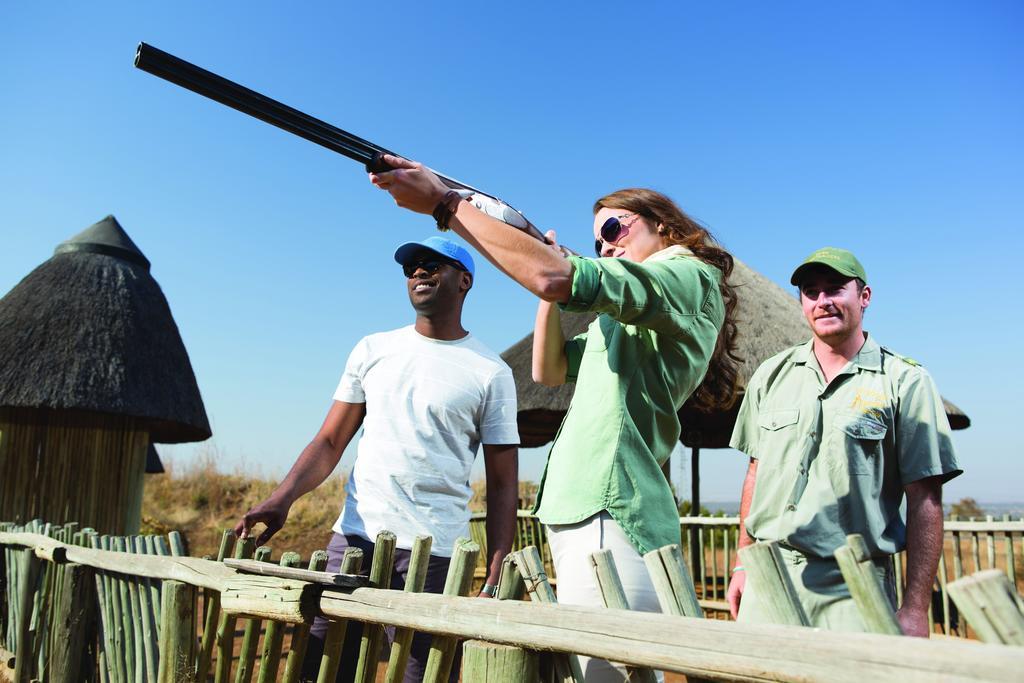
x: 81, y: 607
x: 971, y: 546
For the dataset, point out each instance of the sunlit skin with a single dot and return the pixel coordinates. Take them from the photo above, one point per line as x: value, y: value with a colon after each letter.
x: 641, y: 241
x: 834, y: 309
x: 438, y: 298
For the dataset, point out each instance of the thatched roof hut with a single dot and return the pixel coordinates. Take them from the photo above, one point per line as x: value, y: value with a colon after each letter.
x: 92, y: 370
x: 769, y: 320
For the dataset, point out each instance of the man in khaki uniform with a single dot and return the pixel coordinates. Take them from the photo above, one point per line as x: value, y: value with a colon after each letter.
x: 838, y: 430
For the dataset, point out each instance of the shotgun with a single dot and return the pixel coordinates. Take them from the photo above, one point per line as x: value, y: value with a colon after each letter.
x: 220, y: 89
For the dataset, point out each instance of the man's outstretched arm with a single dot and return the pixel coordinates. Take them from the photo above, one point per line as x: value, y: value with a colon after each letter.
x: 313, y: 466
x: 502, y: 466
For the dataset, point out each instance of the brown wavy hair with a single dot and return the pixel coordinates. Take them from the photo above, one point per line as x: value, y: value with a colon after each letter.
x: 718, y: 390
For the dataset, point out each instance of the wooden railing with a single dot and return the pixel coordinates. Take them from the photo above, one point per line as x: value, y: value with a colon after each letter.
x: 970, y: 546
x: 48, y: 599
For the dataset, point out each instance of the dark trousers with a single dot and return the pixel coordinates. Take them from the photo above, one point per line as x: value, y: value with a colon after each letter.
x: 437, y: 570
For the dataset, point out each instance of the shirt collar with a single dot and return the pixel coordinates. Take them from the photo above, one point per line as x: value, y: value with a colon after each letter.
x: 868, y: 358
x: 668, y: 252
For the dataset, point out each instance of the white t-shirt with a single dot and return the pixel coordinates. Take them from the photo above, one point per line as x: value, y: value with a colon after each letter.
x: 429, y: 405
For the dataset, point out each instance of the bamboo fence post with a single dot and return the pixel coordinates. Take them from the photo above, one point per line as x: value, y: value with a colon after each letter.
x: 702, y: 561
x: 490, y: 663
x: 416, y: 578
x: 1011, y: 569
x: 769, y: 576
x: 944, y: 591
x: 30, y: 568
x: 975, y: 550
x: 177, y: 544
x: 531, y: 569
x: 244, y: 549
x: 990, y: 544
x: 71, y: 624
x: 149, y: 634
x: 147, y: 545
x: 614, y: 596
x: 110, y: 624
x: 672, y: 582
x: 211, y: 612
x: 300, y: 633
x: 134, y: 616
x: 273, y: 639
x: 991, y: 605
x: 713, y: 532
x: 250, y: 641
x: 381, y: 569
x: 510, y: 583
x: 458, y: 582
x: 859, y: 573
x: 334, y: 639
x: 177, y: 632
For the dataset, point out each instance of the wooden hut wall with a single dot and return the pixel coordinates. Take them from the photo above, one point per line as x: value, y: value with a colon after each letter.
x: 63, y: 466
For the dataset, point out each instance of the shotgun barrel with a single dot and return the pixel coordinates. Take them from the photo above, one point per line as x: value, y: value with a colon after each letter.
x: 208, y: 84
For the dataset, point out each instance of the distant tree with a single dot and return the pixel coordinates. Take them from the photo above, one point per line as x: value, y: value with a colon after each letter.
x: 966, y: 508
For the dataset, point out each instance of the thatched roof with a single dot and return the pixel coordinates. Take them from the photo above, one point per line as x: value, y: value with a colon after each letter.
x: 769, y: 319
x: 90, y: 330
x: 154, y: 465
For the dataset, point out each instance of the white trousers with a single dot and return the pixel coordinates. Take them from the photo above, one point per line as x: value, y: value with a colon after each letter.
x: 571, y: 546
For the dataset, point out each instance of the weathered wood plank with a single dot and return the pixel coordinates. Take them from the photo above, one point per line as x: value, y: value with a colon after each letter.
x: 334, y: 639
x: 489, y: 663
x: 859, y: 573
x: 251, y: 634
x: 531, y: 569
x: 211, y: 610
x: 322, y: 578
x: 614, y: 595
x: 672, y: 582
x: 767, y: 574
x: 991, y: 605
x: 177, y: 632
x: 457, y: 582
x: 273, y: 639
x: 244, y: 549
x: 70, y: 624
x: 31, y: 566
x: 416, y: 578
x: 300, y: 633
x: 706, y: 648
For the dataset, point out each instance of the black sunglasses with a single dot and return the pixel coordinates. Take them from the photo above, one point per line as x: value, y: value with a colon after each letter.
x: 613, y: 230
x: 430, y: 266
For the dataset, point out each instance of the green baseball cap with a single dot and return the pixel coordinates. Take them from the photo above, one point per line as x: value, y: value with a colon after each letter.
x: 839, y: 260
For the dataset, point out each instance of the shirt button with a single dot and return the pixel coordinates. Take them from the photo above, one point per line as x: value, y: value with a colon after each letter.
x: 774, y: 424
x: 803, y: 470
x: 791, y: 508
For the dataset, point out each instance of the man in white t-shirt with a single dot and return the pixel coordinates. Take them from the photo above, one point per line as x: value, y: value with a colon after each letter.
x: 426, y: 396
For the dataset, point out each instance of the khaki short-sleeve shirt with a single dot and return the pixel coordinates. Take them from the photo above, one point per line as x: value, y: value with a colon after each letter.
x: 833, y: 459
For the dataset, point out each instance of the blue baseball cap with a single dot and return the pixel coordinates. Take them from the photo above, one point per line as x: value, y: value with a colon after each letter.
x: 439, y: 245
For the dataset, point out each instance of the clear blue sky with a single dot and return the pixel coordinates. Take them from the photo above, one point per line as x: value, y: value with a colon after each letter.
x: 893, y: 129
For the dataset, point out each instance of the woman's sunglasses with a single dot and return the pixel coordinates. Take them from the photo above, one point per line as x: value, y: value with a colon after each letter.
x: 613, y: 230
x: 430, y: 266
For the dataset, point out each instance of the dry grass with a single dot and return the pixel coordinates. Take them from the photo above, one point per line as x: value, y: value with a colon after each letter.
x: 200, y: 501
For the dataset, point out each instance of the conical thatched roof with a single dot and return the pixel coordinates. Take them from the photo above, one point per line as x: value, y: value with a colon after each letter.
x: 769, y: 319
x: 90, y: 330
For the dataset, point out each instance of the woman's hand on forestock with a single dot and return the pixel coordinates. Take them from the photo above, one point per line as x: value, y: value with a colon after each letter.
x: 412, y: 185
x: 273, y: 512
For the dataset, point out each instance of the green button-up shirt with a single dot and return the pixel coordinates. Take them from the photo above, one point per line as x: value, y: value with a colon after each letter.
x: 634, y: 367
x: 833, y: 459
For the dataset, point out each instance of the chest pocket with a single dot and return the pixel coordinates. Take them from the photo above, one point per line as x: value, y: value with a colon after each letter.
x: 861, y: 439
x: 774, y: 420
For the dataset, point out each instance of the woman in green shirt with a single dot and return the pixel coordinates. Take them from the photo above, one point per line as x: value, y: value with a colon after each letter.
x: 664, y: 332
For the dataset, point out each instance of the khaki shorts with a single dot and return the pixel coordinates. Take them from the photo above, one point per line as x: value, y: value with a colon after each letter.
x: 822, y: 591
